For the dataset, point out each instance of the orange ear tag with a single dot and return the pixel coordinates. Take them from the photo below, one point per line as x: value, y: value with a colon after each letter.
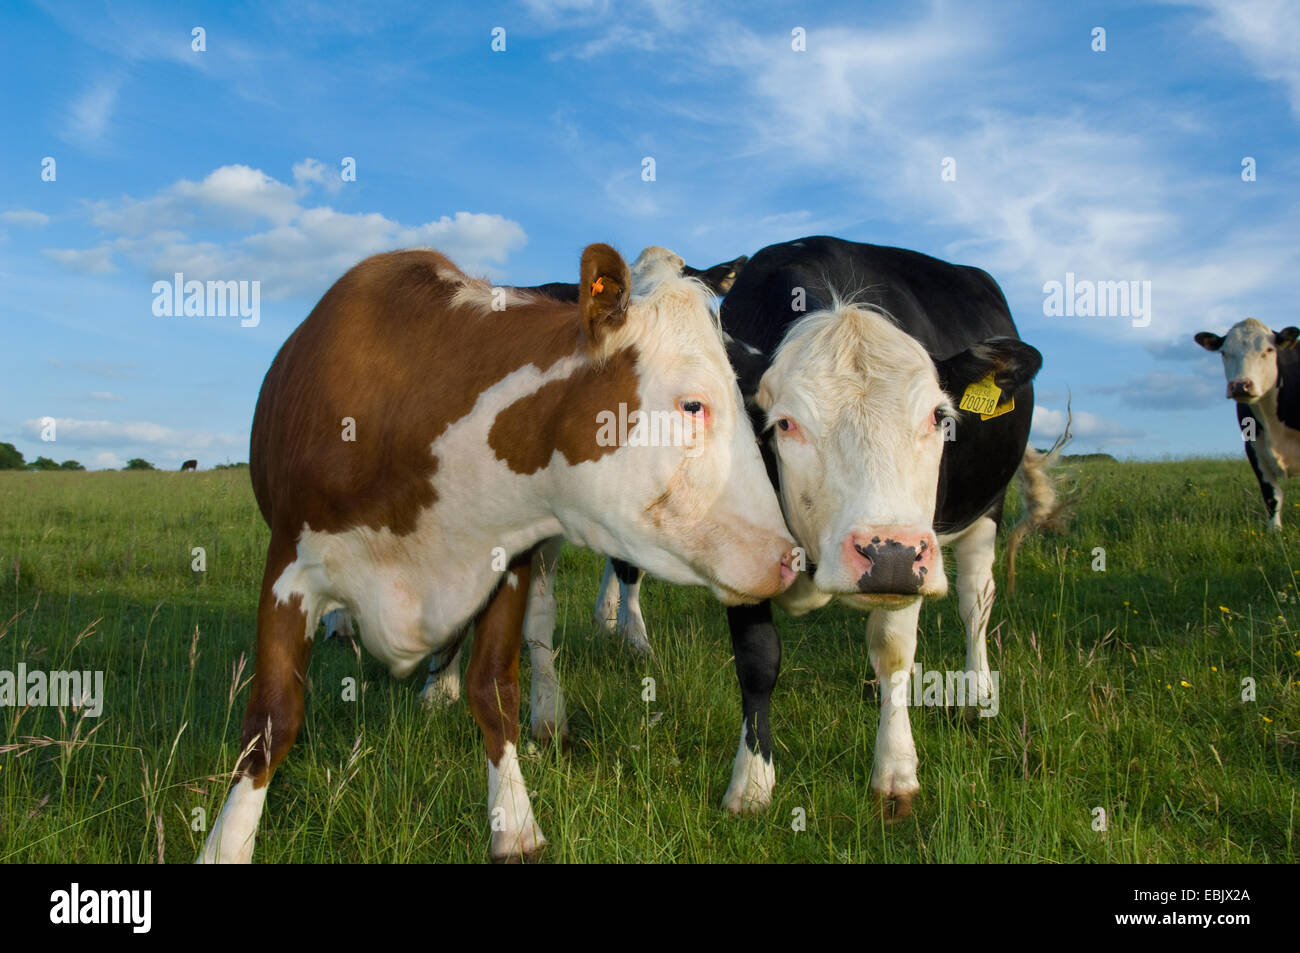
x: 598, y: 286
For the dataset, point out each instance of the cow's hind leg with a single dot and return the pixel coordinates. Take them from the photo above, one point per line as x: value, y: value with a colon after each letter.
x: 618, y: 604
x: 548, y: 717
x: 891, y: 635
x: 975, y: 550
x: 274, y: 715
x: 757, y: 647
x: 493, y: 683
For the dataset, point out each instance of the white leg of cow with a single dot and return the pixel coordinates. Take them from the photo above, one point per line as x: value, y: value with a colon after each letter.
x: 891, y: 635
x: 339, y: 624
x: 549, y: 720
x: 442, y: 687
x: 974, y: 550
x: 607, y: 600
x: 231, y: 838
x: 1275, y: 523
x: 630, y: 620
x: 514, y: 830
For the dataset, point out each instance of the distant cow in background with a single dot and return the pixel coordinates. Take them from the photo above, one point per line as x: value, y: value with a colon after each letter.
x: 1263, y: 371
x: 190, y: 465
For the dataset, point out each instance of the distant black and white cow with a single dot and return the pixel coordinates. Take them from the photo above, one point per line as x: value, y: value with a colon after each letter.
x: 1263, y: 371
x: 854, y: 360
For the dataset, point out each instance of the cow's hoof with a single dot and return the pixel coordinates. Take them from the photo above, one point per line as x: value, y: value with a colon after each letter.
x: 531, y: 854
x: 547, y: 733
x: 746, y: 807
x: 895, y: 807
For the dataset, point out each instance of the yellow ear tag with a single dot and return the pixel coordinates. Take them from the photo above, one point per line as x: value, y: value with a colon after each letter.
x: 1001, y: 409
x: 982, y: 396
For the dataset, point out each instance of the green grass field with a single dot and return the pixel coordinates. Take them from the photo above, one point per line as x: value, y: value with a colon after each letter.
x: 1120, y: 690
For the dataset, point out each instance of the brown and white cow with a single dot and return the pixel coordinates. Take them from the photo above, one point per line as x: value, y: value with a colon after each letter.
x: 457, y: 430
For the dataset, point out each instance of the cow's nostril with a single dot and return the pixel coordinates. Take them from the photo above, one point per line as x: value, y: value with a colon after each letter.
x: 862, y: 550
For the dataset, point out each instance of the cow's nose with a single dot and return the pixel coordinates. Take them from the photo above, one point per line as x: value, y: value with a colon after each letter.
x: 1241, y: 387
x: 893, y: 560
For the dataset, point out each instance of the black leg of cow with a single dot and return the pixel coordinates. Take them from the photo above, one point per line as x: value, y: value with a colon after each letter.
x: 757, y: 646
x: 1270, y: 488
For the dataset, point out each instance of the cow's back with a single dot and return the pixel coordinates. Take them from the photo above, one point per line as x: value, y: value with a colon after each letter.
x: 947, y: 308
x: 380, y: 368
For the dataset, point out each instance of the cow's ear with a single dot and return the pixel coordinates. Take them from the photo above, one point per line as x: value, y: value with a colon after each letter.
x: 1210, y: 341
x: 1012, y: 362
x: 604, y: 290
x: 749, y: 365
x: 1286, y: 338
x: 728, y: 276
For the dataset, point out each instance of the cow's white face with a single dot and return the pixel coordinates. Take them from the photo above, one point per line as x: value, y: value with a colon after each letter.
x: 856, y: 408
x: 686, y: 496
x: 1249, y: 352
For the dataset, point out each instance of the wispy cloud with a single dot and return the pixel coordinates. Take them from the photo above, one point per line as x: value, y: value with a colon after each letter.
x: 99, y: 433
x: 26, y: 217
x: 90, y: 113
x: 1267, y: 32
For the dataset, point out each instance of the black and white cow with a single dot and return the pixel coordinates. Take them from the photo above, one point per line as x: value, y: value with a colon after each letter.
x: 854, y: 360
x: 1263, y: 371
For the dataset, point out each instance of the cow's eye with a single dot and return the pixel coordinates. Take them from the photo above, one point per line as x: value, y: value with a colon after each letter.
x: 692, y: 407
x: 785, y: 424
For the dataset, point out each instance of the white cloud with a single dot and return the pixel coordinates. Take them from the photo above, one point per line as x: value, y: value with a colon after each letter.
x: 1088, y: 428
x: 90, y: 112
x: 107, y: 460
x: 105, y: 395
x: 99, y: 433
x: 1267, y: 32
x: 90, y: 261
x: 300, y: 250
x: 24, y: 217
x: 312, y: 171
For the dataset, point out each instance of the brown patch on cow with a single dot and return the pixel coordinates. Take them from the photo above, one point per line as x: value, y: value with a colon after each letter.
x: 562, y: 415
x: 386, y: 347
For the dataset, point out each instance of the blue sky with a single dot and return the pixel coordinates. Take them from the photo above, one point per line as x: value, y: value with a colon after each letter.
x: 224, y: 164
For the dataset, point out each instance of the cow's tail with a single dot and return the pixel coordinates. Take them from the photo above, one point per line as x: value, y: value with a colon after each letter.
x: 1045, y: 506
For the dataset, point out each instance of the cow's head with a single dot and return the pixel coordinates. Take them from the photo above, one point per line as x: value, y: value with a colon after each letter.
x: 1249, y: 351
x: 685, y: 495
x: 856, y: 408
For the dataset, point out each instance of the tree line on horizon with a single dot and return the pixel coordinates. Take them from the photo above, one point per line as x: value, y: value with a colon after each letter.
x: 11, y: 458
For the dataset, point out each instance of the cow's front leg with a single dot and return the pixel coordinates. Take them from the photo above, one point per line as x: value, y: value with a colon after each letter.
x: 1273, y: 499
x: 891, y: 635
x: 273, y: 717
x: 975, y: 550
x: 550, y: 721
x: 493, y: 683
x: 757, y: 647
